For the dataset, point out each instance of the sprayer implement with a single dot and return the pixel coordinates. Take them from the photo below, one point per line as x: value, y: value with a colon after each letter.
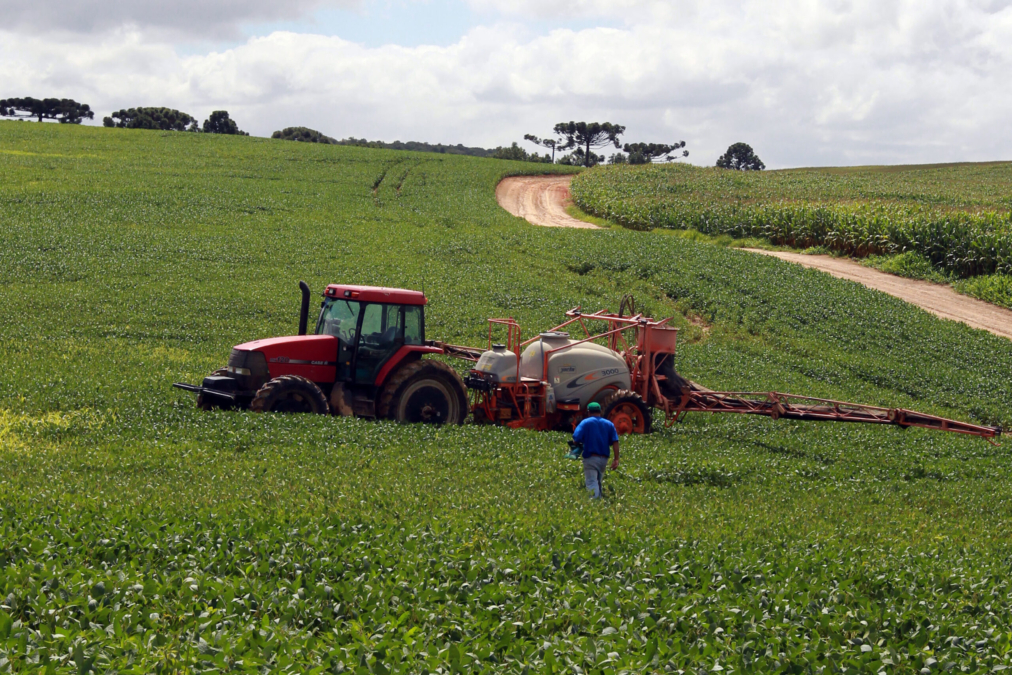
x: 366, y: 358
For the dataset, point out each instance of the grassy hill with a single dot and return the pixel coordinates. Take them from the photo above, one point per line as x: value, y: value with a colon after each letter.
x: 151, y: 537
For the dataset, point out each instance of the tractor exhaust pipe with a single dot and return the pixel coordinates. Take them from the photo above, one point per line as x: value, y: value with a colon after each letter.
x: 304, y: 314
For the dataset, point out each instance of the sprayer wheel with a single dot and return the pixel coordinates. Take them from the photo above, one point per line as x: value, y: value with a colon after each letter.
x: 208, y: 402
x: 425, y: 391
x: 627, y: 411
x: 290, y: 394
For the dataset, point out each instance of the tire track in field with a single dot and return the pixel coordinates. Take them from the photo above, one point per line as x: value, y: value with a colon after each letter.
x: 542, y: 200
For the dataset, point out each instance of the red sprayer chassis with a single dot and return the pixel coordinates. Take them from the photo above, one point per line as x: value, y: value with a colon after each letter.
x: 647, y: 347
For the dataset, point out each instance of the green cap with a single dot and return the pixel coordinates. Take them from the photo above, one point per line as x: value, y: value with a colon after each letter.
x: 594, y: 407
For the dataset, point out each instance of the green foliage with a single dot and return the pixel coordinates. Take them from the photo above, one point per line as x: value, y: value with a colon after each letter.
x: 302, y: 134
x: 220, y: 123
x: 416, y: 146
x: 740, y: 157
x: 63, y: 110
x: 910, y: 265
x: 578, y: 158
x: 957, y: 217
x: 138, y: 534
x: 165, y: 119
x: 993, y: 288
x: 647, y: 153
x: 518, y: 154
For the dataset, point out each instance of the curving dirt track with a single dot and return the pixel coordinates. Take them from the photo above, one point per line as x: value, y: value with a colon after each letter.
x: 938, y: 299
x: 542, y: 200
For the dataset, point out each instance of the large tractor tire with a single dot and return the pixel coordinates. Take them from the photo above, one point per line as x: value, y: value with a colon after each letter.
x: 208, y: 402
x: 627, y: 412
x: 429, y: 392
x: 290, y: 394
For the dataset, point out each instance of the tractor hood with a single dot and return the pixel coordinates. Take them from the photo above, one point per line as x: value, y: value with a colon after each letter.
x: 311, y: 356
x: 295, y: 348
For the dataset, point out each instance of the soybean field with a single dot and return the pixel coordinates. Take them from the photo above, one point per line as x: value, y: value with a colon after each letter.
x: 957, y: 217
x: 141, y: 535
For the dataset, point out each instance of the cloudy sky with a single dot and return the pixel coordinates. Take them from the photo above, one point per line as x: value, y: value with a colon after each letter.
x: 805, y: 82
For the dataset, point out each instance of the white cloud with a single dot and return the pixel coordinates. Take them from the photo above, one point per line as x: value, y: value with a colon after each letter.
x: 804, y: 82
x: 178, y: 18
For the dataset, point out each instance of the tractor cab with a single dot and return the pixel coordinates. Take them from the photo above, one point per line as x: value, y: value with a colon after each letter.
x: 371, y: 325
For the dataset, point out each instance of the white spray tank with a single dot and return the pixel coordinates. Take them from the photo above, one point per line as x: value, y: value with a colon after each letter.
x: 577, y: 372
x: 500, y: 363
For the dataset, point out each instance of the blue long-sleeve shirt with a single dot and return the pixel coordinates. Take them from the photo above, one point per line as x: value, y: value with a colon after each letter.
x: 596, y: 434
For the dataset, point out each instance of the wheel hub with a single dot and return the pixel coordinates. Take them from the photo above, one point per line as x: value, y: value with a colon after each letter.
x: 627, y: 419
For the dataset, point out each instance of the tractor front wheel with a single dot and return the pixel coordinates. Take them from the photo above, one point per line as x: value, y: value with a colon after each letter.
x: 424, y: 391
x: 290, y: 394
x: 627, y: 411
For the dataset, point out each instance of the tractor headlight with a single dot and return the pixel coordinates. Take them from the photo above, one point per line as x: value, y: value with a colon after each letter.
x: 237, y: 371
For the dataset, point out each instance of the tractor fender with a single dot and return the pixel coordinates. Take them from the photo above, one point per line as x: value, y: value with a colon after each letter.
x: 398, y: 357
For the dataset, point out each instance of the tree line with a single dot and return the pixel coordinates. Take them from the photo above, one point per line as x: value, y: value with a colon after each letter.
x: 582, y: 139
x: 69, y: 111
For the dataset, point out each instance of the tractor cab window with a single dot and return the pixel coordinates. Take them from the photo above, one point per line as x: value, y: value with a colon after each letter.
x: 339, y: 318
x: 414, y: 326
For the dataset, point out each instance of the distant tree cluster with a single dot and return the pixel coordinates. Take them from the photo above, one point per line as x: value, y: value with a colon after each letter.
x: 63, y: 110
x: 416, y: 146
x: 69, y: 111
x: 740, y: 157
x: 303, y: 135
x: 583, y: 138
x: 165, y: 119
x: 647, y: 153
x: 518, y: 154
x: 220, y: 123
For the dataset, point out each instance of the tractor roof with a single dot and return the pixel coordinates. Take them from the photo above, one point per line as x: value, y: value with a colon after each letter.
x: 398, y: 296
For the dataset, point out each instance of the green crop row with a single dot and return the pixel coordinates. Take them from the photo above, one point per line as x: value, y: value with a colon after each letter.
x: 957, y: 217
x: 141, y: 535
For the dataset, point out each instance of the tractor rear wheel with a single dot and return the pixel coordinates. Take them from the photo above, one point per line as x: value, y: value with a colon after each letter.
x: 290, y: 394
x: 429, y: 392
x: 627, y: 411
x: 208, y: 402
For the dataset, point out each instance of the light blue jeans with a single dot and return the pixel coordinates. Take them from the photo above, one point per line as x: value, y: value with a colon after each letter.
x: 593, y: 474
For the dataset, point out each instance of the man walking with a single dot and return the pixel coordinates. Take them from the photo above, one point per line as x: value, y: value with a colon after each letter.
x: 597, y: 435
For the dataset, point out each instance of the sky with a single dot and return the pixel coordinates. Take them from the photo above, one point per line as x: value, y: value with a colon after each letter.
x: 804, y: 82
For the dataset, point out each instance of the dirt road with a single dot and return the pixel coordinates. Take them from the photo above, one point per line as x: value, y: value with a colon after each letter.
x: 541, y: 200
x: 938, y: 299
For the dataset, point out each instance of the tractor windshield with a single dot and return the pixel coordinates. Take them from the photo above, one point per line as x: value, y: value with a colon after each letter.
x: 339, y: 318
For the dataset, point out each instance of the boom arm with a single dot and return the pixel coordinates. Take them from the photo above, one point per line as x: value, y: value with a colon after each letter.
x: 788, y: 406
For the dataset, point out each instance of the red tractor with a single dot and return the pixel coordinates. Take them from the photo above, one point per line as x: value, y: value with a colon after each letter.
x: 365, y: 359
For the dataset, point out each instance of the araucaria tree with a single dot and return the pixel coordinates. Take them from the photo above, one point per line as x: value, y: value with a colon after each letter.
x: 588, y: 135
x: 165, y: 119
x: 220, y: 123
x: 740, y: 157
x: 63, y: 110
x: 549, y: 143
x: 646, y: 153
